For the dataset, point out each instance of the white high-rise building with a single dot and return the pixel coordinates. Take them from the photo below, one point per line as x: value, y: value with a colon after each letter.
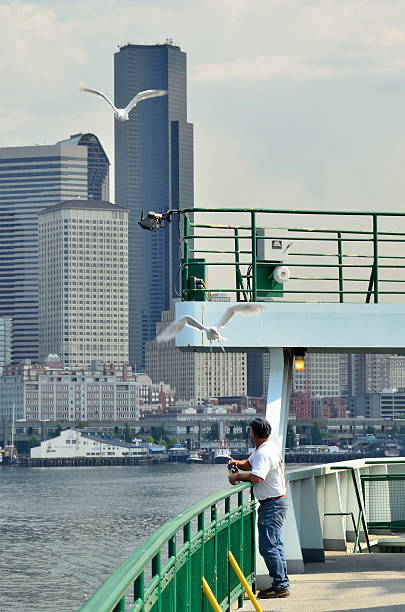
x: 196, y: 375
x: 83, y: 282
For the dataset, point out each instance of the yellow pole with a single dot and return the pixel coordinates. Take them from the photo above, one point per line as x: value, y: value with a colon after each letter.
x: 210, y: 596
x: 244, y: 582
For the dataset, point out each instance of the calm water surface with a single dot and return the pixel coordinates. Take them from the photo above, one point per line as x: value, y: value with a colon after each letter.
x: 64, y: 530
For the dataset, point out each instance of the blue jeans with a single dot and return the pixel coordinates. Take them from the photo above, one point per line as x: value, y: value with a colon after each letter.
x: 271, y: 518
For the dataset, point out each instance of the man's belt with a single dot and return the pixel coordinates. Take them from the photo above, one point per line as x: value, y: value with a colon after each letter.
x: 261, y: 501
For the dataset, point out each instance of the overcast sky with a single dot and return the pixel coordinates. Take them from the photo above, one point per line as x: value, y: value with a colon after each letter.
x: 296, y: 103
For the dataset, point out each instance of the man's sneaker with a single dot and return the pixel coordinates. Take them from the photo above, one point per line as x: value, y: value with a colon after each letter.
x: 272, y: 593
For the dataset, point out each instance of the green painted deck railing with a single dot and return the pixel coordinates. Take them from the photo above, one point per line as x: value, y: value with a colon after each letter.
x: 351, y: 256
x: 165, y: 573
x: 384, y: 498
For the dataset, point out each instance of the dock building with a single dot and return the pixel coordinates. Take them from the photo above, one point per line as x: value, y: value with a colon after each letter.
x: 72, y: 443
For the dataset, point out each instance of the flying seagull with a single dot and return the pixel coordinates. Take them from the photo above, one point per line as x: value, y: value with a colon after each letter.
x: 213, y: 333
x: 122, y: 114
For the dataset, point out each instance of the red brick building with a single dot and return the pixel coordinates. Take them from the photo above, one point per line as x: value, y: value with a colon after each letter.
x: 300, y: 405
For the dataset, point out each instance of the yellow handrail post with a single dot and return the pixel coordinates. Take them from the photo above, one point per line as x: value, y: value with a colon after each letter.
x: 210, y: 596
x: 244, y: 582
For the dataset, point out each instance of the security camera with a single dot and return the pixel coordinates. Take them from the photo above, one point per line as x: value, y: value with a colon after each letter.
x: 153, y: 220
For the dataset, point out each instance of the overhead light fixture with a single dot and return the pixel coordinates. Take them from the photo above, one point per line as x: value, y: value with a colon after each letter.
x: 299, y: 359
x: 154, y: 221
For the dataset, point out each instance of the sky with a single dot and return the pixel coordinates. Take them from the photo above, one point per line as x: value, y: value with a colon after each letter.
x: 295, y: 103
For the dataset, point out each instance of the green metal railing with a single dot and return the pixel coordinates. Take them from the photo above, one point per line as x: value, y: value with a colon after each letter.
x: 356, y: 527
x: 361, y: 518
x: 165, y: 573
x: 384, y: 498
x: 321, y: 260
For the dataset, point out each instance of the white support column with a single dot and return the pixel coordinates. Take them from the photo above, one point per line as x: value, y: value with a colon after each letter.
x: 278, y: 395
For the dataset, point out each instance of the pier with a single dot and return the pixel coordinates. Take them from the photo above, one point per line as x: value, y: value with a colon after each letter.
x: 26, y: 461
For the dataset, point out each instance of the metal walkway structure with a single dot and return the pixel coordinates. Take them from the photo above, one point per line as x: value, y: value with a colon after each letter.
x: 330, y: 281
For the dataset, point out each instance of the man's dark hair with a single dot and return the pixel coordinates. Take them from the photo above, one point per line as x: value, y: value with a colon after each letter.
x: 261, y: 427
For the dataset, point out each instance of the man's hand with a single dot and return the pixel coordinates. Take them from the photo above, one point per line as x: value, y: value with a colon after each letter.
x: 233, y: 479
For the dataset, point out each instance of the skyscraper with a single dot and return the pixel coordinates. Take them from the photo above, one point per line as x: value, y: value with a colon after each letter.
x: 31, y: 179
x: 83, y: 282
x: 153, y: 171
x: 98, y: 165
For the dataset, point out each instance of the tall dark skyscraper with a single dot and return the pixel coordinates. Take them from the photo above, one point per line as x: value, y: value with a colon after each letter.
x: 153, y: 171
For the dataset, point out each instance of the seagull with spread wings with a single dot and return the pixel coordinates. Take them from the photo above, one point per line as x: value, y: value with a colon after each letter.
x: 213, y: 333
x: 122, y: 114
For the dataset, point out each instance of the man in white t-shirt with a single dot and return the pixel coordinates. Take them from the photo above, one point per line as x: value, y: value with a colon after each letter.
x: 265, y: 469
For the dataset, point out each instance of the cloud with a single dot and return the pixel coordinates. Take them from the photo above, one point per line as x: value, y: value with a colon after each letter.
x: 37, y: 47
x: 266, y: 68
x: 320, y: 68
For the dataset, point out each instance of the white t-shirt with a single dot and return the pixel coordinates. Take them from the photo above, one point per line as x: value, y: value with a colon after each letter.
x: 268, y: 464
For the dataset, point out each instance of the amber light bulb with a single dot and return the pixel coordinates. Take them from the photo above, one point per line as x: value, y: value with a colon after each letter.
x: 299, y: 363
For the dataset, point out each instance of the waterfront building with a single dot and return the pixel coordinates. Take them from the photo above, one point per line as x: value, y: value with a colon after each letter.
x: 73, y: 443
x: 195, y: 376
x: 98, y: 165
x: 6, y: 334
x: 31, y: 179
x: 153, y: 171
x: 49, y: 391
x: 83, y: 282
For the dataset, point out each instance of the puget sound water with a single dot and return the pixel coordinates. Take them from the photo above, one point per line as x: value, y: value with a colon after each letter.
x: 64, y: 530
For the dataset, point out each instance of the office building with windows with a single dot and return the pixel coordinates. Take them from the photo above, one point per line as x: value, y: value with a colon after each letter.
x: 371, y: 373
x: 83, y: 282
x: 6, y: 334
x: 195, y: 376
x: 324, y: 375
x: 31, y: 179
x: 153, y: 171
x: 98, y: 165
